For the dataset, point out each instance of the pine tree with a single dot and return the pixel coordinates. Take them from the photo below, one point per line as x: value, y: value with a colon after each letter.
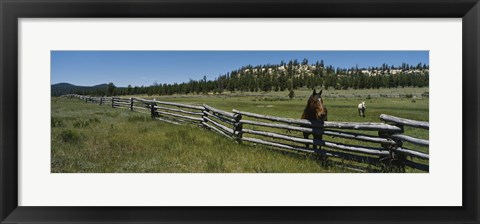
x: 111, y: 89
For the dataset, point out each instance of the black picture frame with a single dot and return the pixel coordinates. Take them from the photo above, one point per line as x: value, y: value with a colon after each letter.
x: 11, y: 11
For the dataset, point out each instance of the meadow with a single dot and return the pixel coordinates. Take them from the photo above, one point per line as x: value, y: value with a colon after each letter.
x: 92, y: 138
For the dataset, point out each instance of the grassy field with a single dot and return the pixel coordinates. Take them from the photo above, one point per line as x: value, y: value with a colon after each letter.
x: 92, y: 138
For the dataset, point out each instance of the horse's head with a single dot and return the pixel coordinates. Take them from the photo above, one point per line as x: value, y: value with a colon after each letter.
x: 363, y: 104
x: 315, y: 103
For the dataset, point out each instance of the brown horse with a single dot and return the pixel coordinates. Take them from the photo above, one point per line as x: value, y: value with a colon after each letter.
x: 314, y: 111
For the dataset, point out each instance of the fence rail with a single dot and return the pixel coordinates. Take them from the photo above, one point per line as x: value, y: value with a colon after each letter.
x: 326, y: 124
x: 403, y: 121
x: 356, y: 143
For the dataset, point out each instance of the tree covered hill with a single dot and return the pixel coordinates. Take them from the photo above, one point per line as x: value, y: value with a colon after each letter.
x: 67, y: 88
x: 275, y: 77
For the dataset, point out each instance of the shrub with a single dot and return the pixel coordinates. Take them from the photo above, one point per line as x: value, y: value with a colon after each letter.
x: 291, y: 94
x: 81, y: 124
x: 86, y: 123
x: 69, y: 136
x: 56, y: 122
x: 94, y: 120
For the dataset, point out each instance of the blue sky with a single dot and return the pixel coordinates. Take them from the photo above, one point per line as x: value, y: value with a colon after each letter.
x: 88, y: 68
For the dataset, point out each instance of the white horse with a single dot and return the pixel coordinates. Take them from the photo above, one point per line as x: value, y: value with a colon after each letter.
x: 361, y: 109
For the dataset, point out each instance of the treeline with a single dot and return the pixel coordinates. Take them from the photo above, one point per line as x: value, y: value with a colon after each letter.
x: 285, y: 76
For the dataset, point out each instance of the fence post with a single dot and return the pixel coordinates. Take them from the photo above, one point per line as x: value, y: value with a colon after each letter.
x: 204, y: 114
x: 113, y: 100
x: 237, y: 127
x: 396, y: 159
x: 153, y: 110
x: 101, y: 100
x: 131, y: 104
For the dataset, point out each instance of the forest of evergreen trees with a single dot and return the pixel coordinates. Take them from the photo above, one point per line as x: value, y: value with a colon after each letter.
x: 285, y: 76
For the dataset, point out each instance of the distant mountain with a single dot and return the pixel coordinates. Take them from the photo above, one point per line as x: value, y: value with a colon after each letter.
x: 67, y: 88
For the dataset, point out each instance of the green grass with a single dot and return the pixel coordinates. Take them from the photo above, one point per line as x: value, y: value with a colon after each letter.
x: 92, y: 138
x: 115, y: 140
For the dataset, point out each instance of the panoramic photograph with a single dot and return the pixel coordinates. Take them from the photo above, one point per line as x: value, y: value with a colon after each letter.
x: 239, y: 111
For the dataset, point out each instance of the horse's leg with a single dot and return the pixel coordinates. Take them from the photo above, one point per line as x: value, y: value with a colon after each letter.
x: 317, y: 138
x: 363, y: 112
x: 359, y: 112
x: 305, y: 136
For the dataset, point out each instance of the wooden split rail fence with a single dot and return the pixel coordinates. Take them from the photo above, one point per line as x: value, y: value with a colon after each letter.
x: 374, y: 145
